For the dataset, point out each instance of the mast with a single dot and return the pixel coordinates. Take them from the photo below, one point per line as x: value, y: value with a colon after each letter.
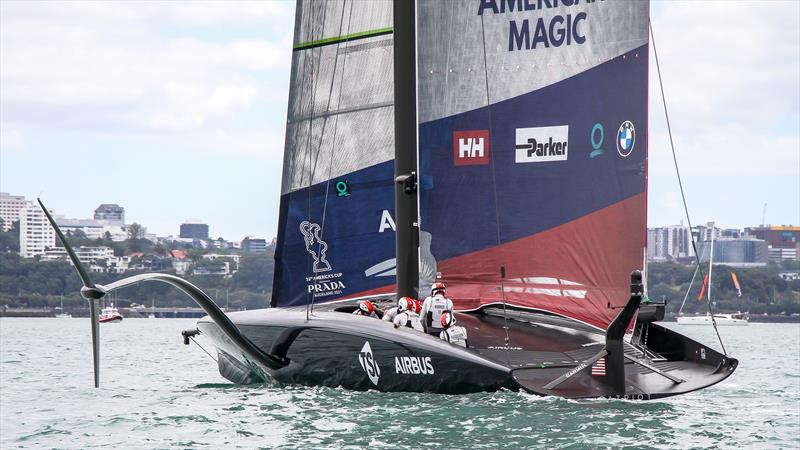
x: 711, y: 261
x: 405, y: 148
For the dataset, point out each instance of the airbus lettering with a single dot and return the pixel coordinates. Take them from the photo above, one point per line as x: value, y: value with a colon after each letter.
x: 413, y: 365
x: 542, y: 144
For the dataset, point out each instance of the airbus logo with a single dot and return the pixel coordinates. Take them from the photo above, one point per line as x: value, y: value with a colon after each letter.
x: 470, y: 148
x: 542, y: 144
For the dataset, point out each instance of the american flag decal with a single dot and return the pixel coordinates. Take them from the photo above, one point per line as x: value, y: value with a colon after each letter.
x: 599, y: 367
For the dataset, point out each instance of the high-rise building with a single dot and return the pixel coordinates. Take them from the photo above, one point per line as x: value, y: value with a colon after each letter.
x: 670, y: 242
x: 783, y: 241
x: 111, y: 212
x: 35, y: 232
x: 194, y: 229
x: 10, y: 207
x: 747, y: 251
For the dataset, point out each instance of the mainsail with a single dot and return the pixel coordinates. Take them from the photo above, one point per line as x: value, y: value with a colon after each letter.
x: 335, y: 231
x: 533, y: 150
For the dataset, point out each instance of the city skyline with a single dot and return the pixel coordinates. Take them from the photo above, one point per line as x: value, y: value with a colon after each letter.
x: 178, y: 110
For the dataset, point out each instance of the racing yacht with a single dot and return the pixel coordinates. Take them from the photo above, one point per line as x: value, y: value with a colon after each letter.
x: 500, y: 151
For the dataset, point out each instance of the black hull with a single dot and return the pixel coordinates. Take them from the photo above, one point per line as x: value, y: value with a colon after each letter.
x: 338, y: 349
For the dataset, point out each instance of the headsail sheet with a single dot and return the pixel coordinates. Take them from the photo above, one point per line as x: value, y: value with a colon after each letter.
x: 335, y: 231
x: 533, y: 150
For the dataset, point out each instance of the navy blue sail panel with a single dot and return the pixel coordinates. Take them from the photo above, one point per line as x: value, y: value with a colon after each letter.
x: 345, y: 252
x: 335, y: 230
x: 533, y: 136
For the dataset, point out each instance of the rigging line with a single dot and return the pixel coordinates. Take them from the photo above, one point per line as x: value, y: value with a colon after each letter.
x: 308, y: 147
x: 680, y: 182
x: 691, y: 283
x: 494, y: 187
x: 203, y: 349
x: 325, y: 115
x: 335, y: 124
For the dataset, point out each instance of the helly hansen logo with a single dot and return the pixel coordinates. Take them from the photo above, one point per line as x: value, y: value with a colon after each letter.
x: 542, y: 144
x: 471, y: 148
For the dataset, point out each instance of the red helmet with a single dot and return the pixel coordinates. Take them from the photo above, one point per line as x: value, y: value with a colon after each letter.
x: 404, y: 304
x: 417, y: 306
x: 447, y: 319
x: 437, y: 287
x: 367, y: 307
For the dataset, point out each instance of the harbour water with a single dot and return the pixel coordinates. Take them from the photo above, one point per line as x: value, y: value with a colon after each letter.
x: 157, y: 393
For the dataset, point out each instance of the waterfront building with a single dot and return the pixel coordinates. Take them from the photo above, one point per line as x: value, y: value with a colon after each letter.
x: 783, y: 241
x: 252, y: 244
x: 110, y: 212
x: 10, y: 207
x: 94, y: 228
x: 98, y: 259
x: 744, y: 252
x: 194, y: 229
x: 35, y: 233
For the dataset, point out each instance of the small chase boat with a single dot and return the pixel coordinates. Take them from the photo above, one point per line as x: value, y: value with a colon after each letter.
x: 110, y: 314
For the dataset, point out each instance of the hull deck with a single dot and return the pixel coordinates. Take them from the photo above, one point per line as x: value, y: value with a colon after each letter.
x: 335, y: 348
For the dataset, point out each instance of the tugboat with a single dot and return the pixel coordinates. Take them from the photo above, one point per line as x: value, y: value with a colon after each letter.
x: 503, y: 161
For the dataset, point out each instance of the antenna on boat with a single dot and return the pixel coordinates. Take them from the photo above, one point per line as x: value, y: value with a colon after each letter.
x: 90, y: 291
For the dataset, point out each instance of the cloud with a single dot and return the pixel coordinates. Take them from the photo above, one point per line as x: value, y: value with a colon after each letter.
x: 732, y: 79
x: 165, y: 66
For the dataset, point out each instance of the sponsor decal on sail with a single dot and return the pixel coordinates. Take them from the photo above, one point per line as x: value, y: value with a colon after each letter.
x: 413, y: 365
x: 324, y: 282
x: 542, y: 144
x: 626, y: 138
x: 471, y: 148
x: 596, y: 138
x: 369, y: 364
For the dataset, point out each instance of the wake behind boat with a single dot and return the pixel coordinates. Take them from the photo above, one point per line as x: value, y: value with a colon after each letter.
x: 504, y: 161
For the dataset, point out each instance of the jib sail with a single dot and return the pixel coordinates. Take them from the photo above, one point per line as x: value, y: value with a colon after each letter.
x: 533, y: 150
x: 336, y: 229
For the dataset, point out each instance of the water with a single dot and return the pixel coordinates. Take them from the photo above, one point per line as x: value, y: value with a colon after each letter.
x: 157, y: 393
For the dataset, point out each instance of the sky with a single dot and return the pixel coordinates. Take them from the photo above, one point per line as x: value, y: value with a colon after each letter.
x: 177, y: 110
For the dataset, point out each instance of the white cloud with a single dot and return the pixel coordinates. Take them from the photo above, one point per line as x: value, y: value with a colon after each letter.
x: 732, y: 79
x: 140, y: 66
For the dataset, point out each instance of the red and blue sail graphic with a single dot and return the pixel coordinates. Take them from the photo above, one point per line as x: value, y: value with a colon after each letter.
x: 534, y: 148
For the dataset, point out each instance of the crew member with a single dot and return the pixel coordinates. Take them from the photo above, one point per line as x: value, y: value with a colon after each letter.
x: 407, y: 314
x: 392, y: 312
x: 366, y: 308
x: 433, y: 307
x: 452, y: 333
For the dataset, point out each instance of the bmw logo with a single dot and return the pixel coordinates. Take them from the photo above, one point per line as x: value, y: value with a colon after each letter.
x: 626, y: 138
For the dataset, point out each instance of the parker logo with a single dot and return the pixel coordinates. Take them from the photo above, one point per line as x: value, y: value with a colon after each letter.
x: 542, y: 144
x: 369, y: 364
x: 470, y: 148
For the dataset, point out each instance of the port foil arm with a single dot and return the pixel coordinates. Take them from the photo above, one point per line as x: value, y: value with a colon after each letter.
x: 213, y: 311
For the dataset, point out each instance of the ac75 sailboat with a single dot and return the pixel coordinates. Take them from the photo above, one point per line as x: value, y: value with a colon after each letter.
x: 507, y: 158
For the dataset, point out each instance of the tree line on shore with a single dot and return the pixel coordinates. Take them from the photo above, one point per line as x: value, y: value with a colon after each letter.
x: 26, y: 282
